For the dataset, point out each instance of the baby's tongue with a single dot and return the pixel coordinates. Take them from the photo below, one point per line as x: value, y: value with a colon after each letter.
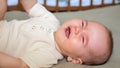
x: 68, y: 32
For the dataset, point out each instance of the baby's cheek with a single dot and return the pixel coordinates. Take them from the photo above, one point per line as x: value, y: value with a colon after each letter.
x: 72, y: 41
x: 76, y: 42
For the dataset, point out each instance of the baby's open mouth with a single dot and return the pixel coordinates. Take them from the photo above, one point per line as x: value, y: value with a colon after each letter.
x: 67, y: 32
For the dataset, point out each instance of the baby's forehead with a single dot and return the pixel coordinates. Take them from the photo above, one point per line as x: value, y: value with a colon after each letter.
x: 98, y: 26
x: 99, y: 37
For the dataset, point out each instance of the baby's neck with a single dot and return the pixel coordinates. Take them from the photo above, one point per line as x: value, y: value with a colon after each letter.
x: 56, y: 46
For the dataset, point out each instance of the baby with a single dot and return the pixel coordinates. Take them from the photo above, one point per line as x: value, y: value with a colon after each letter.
x: 84, y: 41
x: 40, y: 42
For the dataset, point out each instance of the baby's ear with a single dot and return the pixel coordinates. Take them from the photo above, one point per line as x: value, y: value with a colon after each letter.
x: 75, y: 60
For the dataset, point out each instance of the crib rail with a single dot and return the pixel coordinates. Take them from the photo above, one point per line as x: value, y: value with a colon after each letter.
x: 66, y: 8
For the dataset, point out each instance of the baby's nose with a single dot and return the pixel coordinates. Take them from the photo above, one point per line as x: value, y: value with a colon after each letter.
x: 77, y: 30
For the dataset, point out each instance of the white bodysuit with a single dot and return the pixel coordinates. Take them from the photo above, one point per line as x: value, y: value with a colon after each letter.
x: 31, y: 40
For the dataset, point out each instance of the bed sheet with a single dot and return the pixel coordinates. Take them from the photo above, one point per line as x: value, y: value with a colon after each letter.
x: 63, y: 3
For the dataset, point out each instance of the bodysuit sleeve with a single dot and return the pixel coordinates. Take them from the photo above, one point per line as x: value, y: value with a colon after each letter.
x: 40, y: 11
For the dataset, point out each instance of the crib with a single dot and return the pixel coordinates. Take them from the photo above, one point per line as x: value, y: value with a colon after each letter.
x: 68, y: 5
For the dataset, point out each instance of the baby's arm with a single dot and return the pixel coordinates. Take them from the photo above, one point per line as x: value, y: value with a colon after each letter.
x: 28, y: 4
x: 7, y: 61
x: 3, y: 8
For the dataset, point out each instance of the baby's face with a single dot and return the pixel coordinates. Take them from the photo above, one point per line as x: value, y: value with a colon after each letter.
x: 77, y: 37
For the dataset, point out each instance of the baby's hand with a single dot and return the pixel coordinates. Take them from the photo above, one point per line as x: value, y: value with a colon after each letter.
x: 69, y: 59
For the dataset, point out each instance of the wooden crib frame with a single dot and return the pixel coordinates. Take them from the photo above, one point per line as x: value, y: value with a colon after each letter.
x: 68, y: 8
